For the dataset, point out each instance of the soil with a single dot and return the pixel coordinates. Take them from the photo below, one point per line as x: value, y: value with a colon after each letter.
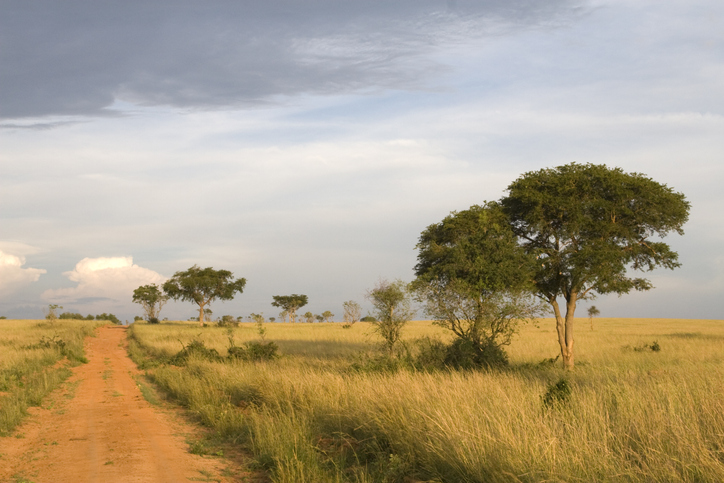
x: 99, y: 428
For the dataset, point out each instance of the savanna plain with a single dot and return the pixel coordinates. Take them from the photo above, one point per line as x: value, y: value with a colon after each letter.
x: 644, y: 403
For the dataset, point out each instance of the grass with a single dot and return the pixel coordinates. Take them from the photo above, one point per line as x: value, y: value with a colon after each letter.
x: 622, y: 415
x: 31, y: 352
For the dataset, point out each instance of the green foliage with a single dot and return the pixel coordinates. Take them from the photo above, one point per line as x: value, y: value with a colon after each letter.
x: 391, y: 301
x: 308, y: 317
x: 587, y: 225
x: 557, y: 394
x: 368, y: 318
x: 202, y: 286
x: 254, y: 351
x: 70, y: 316
x: 290, y: 304
x: 474, y: 279
x: 327, y: 316
x: 153, y: 320
x: 110, y: 318
x: 151, y: 298
x: 195, y: 349
x: 228, y: 321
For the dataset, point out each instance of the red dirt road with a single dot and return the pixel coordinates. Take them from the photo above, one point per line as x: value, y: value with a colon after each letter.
x: 99, y: 428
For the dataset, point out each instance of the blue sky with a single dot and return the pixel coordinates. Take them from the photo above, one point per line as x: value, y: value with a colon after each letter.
x: 304, y: 145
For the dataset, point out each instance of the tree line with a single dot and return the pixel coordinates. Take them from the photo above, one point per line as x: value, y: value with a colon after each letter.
x: 560, y: 234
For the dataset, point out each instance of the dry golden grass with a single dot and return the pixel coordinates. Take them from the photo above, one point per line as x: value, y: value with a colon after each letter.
x: 29, y: 351
x: 632, y: 415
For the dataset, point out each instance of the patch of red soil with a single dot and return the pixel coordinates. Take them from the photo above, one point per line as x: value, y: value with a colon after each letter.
x: 99, y: 428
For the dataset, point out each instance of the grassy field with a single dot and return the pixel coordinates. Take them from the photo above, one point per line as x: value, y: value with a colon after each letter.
x: 320, y: 413
x: 34, y: 360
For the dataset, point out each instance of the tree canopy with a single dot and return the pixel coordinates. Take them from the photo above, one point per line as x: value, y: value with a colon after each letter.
x: 474, y: 278
x: 391, y: 301
x: 202, y: 286
x: 290, y: 304
x: 587, y: 224
x: 152, y: 299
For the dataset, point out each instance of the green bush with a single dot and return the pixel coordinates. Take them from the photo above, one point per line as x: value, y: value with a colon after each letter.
x: 557, y: 394
x: 195, y: 349
x: 254, y: 351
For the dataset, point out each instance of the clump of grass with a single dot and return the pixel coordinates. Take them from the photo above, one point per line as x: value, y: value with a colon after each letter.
x: 557, y: 395
x: 28, y: 363
x: 307, y: 417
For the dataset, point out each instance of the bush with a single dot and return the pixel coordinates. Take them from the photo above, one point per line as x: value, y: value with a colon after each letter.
x: 153, y: 320
x: 254, y: 351
x: 557, y: 394
x: 228, y: 321
x: 196, y: 349
x: 368, y: 318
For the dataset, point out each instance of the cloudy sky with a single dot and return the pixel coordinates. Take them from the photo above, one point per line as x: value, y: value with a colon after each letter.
x: 305, y: 144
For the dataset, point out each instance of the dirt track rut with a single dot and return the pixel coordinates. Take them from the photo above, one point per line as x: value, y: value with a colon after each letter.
x: 99, y: 428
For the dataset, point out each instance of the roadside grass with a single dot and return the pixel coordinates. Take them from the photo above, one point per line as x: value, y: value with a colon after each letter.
x: 34, y: 360
x: 621, y: 415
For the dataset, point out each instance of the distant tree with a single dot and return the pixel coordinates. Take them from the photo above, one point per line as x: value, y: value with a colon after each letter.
x: 290, y: 304
x: 203, y: 286
x: 228, y: 321
x: 308, y: 317
x: 352, y: 312
x: 588, y: 224
x: 109, y: 317
x: 368, y: 318
x: 319, y: 318
x: 151, y: 299
x: 327, y: 316
x: 3, y: 317
x: 71, y: 316
x: 51, y: 313
x: 272, y: 319
x: 593, y: 312
x: 136, y: 318
x: 475, y: 281
x: 392, y: 304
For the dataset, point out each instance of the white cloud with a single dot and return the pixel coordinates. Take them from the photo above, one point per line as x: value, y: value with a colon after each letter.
x: 12, y: 274
x: 105, y: 281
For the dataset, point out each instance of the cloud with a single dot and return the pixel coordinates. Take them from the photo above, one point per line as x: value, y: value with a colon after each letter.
x: 76, y: 57
x: 103, y: 281
x: 12, y: 274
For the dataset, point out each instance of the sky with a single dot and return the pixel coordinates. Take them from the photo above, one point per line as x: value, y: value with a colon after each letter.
x: 305, y: 144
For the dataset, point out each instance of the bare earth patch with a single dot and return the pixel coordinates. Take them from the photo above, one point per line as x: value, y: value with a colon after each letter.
x: 99, y: 428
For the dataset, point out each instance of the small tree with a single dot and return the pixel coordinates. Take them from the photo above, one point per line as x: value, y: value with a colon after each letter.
x: 202, y: 286
x: 152, y: 299
x: 391, y: 301
x: 475, y: 281
x: 327, y: 316
x: 593, y: 312
x: 52, y: 312
x: 352, y: 312
x: 308, y: 317
x: 290, y: 304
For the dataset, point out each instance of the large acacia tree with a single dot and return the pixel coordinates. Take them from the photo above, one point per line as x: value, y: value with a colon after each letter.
x: 202, y: 286
x: 588, y: 225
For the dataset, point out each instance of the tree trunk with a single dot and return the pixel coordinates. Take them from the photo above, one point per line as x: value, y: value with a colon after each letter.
x: 564, y: 327
x: 201, y: 314
x: 570, y: 314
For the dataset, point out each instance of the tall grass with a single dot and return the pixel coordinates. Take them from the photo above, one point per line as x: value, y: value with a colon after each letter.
x: 30, y: 352
x: 632, y: 415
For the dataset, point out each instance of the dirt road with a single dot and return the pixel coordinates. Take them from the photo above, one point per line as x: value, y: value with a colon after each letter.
x: 99, y: 428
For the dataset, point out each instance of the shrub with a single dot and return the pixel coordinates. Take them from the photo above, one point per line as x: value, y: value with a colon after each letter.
x: 228, y: 321
x: 196, y: 349
x: 557, y: 394
x: 254, y: 351
x: 153, y: 320
x: 368, y: 318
